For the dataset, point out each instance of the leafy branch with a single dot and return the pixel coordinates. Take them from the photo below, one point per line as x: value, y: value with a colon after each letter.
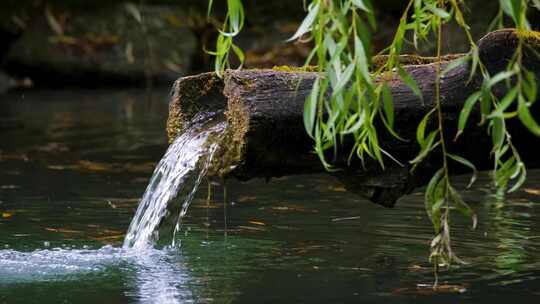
x: 352, y: 95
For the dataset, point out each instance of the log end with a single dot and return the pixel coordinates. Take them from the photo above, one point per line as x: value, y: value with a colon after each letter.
x: 190, y: 95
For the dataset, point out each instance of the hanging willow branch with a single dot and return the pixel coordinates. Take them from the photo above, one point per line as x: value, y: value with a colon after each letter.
x: 349, y: 99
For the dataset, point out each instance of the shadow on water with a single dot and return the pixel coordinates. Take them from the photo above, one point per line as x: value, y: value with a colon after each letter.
x: 74, y: 165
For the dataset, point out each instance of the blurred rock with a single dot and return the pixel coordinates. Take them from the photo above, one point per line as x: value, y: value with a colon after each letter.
x: 6, y: 82
x: 118, y: 45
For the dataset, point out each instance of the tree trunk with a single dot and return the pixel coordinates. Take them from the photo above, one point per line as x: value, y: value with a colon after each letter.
x: 267, y: 136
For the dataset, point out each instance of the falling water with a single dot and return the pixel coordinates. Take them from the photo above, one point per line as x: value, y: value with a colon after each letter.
x: 180, y: 170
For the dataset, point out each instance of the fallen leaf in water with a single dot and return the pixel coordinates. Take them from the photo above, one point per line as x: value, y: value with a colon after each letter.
x: 53, y: 147
x: 337, y: 189
x: 532, y: 191
x: 250, y: 228
x: 22, y: 157
x: 62, y: 230
x: 6, y: 215
x: 257, y: 223
x: 428, y: 289
x: 60, y: 167
x: 416, y: 268
x: 146, y: 167
x: 94, y: 166
x: 246, y: 199
x: 294, y: 208
x: 108, y: 237
x: 345, y: 218
x: 111, y: 232
x: 9, y: 187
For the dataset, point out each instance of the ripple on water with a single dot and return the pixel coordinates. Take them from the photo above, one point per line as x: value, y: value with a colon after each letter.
x: 158, y: 276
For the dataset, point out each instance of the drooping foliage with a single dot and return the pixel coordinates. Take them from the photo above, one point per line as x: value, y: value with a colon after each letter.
x: 347, y: 101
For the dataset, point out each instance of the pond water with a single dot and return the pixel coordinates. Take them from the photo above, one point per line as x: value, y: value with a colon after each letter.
x: 74, y: 165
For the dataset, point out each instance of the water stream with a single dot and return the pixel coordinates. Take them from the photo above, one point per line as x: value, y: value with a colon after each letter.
x: 182, y: 168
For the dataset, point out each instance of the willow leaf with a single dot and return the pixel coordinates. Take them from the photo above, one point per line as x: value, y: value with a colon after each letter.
x: 466, y: 163
x: 361, y: 5
x: 466, y: 111
x: 526, y: 118
x: 421, y: 129
x: 306, y: 24
x: 388, y: 105
x: 310, y: 109
x: 410, y: 82
x: 462, y: 206
x: 522, y: 172
x: 437, y: 11
x: 430, y: 192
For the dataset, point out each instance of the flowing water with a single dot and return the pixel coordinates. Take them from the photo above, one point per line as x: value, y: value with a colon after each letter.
x: 74, y: 167
x: 184, y: 165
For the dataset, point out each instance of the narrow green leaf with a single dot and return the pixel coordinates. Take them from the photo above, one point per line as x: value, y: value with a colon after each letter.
x: 437, y: 11
x: 463, y: 207
x: 436, y: 214
x: 421, y: 129
x: 530, y: 87
x: 466, y: 111
x: 475, y: 60
x: 361, y: 5
x: 522, y: 172
x: 239, y: 53
x: 499, y: 77
x: 305, y: 26
x: 428, y: 147
x: 429, y: 199
x: 360, y: 55
x: 210, y: 5
x: 410, y: 82
x: 388, y: 105
x: 526, y: 118
x: 455, y: 63
x: 310, y: 108
x: 344, y: 78
x: 466, y: 163
x: 498, y: 129
x: 536, y: 4
x: 505, y: 103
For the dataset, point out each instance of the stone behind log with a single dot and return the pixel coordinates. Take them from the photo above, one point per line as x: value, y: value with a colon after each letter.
x: 121, y: 44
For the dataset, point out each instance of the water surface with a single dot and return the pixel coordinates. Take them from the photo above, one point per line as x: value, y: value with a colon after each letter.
x: 74, y: 165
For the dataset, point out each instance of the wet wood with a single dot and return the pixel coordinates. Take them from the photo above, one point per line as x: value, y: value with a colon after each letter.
x: 265, y: 110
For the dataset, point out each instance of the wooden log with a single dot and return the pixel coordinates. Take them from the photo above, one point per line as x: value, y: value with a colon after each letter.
x: 267, y: 137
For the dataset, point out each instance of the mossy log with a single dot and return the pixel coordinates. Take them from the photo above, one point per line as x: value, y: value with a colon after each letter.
x: 266, y: 136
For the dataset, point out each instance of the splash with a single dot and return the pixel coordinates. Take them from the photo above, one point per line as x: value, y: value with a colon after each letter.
x: 181, y: 170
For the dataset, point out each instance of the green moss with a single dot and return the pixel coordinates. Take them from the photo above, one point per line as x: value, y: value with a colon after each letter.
x: 530, y: 37
x: 189, y: 88
x: 231, y: 150
x: 379, y: 61
x: 292, y: 69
